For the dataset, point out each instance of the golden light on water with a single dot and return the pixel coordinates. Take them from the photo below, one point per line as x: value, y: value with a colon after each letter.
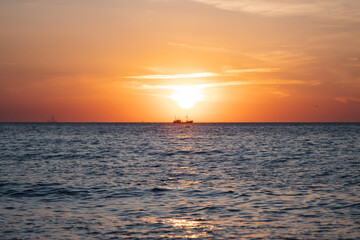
x: 192, y: 228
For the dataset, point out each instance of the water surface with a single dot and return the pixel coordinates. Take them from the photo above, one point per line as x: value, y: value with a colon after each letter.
x: 166, y: 181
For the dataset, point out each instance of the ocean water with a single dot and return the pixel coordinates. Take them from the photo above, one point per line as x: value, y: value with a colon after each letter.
x: 168, y: 181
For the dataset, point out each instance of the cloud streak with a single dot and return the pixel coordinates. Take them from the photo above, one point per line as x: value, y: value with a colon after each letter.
x: 200, y: 47
x: 344, y: 9
x: 175, y: 76
x: 250, y: 70
x: 347, y: 99
x: 219, y: 84
x: 201, y: 74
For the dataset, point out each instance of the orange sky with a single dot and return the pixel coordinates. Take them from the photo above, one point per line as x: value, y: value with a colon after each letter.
x: 122, y: 60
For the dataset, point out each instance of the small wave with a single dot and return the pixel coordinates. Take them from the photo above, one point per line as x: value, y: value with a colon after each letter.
x: 212, y: 208
x: 45, y: 190
x: 159, y: 189
x: 124, y: 193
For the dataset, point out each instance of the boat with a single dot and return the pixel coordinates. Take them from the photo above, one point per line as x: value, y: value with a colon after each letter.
x: 178, y: 120
x: 52, y: 120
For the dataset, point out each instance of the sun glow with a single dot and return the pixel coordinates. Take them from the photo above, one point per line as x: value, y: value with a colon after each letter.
x: 187, y: 96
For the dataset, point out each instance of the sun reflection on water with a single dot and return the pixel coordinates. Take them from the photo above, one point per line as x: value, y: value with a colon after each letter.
x: 188, y: 228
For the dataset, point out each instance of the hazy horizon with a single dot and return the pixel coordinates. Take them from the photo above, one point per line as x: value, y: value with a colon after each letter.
x: 184, y: 124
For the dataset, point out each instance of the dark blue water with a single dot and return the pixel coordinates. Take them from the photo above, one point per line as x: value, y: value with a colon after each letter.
x: 167, y: 181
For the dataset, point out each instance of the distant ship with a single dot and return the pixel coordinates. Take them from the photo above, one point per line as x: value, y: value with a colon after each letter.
x: 52, y: 119
x: 178, y: 120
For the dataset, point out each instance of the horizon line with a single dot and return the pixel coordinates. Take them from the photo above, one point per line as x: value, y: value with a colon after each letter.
x: 172, y: 122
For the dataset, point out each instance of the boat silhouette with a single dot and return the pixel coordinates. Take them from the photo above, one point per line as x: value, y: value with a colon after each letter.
x: 52, y: 119
x: 178, y: 120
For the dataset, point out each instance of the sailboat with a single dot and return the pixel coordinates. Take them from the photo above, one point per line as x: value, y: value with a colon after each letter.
x: 52, y: 119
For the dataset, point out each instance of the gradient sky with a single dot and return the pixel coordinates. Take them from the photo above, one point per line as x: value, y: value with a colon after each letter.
x: 120, y: 60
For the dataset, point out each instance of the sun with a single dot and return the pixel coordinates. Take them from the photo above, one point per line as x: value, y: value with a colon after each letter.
x: 187, y: 96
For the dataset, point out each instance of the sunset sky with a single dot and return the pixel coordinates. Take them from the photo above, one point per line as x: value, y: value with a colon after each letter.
x: 149, y: 60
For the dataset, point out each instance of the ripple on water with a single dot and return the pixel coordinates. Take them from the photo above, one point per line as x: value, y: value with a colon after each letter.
x: 160, y: 181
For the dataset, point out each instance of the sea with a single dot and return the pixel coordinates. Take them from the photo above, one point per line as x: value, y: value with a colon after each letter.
x: 180, y: 181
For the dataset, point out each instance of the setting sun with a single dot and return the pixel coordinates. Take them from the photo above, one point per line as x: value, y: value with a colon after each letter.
x: 132, y: 61
x: 187, y: 96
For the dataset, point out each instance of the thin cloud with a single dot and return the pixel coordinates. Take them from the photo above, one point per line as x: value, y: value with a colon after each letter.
x: 281, y: 94
x: 200, y: 47
x: 231, y: 71
x: 201, y: 74
x: 289, y: 56
x: 347, y: 99
x: 344, y: 9
x: 175, y: 76
x: 220, y: 84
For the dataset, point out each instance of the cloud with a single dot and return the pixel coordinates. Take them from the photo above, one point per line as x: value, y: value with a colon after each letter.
x: 280, y: 93
x: 175, y: 76
x: 138, y: 85
x: 200, y: 47
x: 200, y: 74
x: 347, y: 99
x: 239, y: 83
x: 249, y: 70
x: 284, y: 57
x: 353, y: 59
x: 344, y: 9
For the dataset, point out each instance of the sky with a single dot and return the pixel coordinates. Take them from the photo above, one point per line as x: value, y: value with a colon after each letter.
x: 152, y: 60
